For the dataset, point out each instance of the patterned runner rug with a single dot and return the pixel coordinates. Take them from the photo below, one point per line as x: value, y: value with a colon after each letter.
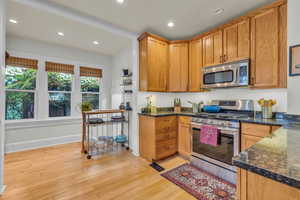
x: 201, y: 184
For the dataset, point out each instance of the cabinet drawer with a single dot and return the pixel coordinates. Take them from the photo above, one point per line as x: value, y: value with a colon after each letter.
x: 166, y: 124
x: 166, y: 148
x: 163, y: 136
x: 184, y: 120
x: 256, y: 130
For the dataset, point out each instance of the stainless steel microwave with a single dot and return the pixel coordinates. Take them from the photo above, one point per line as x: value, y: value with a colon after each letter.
x: 235, y: 74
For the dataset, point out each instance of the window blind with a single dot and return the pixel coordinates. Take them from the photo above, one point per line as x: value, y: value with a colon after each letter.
x: 21, y: 62
x: 91, y: 72
x: 58, y: 67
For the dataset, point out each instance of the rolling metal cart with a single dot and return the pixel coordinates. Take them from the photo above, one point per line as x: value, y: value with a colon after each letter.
x: 104, y: 131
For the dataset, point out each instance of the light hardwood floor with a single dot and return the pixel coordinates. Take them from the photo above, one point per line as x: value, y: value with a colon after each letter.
x: 62, y: 172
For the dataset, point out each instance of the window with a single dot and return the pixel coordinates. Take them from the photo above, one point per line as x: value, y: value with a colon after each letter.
x: 59, y: 87
x: 90, y: 90
x: 20, y: 84
x: 90, y: 85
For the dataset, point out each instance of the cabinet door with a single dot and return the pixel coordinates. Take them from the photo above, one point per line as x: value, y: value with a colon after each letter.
x: 157, y: 65
x: 212, y: 49
x: 248, y: 141
x: 179, y: 66
x: 195, y: 66
x: 265, y: 49
x: 184, y: 139
x: 262, y: 188
x: 143, y: 63
x: 236, y: 41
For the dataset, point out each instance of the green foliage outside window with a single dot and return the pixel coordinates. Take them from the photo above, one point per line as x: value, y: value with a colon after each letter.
x: 20, y: 78
x: 19, y: 98
x: 89, y: 84
x: 59, y: 81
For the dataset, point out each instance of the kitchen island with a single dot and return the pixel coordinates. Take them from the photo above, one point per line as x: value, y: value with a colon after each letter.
x: 270, y: 169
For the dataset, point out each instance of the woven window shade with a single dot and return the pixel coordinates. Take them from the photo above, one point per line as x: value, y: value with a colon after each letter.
x: 91, y: 72
x: 58, y: 67
x: 21, y: 62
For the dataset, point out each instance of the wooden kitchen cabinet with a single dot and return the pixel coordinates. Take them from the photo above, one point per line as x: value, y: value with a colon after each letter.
x: 250, y: 135
x: 184, y: 136
x: 260, y: 35
x: 154, y: 63
x: 157, y: 137
x: 178, y: 67
x: 248, y: 140
x: 267, y: 43
x: 257, y: 187
x: 213, y: 49
x: 195, y: 66
x: 236, y: 41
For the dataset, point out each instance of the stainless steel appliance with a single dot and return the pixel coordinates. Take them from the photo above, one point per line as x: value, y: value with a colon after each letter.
x: 235, y: 74
x: 219, y: 158
x: 230, y: 142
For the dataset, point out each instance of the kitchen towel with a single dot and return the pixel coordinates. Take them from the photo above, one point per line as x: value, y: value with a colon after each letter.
x: 210, y: 135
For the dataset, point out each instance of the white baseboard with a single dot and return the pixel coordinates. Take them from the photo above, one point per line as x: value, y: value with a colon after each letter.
x: 2, y: 189
x: 35, y: 144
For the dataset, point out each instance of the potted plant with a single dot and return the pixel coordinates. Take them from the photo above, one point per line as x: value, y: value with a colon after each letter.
x: 177, y: 105
x: 86, y: 106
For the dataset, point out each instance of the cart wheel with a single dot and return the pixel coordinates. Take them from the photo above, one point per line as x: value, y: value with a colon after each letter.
x: 123, y: 145
x: 85, y: 152
x: 89, y: 157
x: 127, y: 148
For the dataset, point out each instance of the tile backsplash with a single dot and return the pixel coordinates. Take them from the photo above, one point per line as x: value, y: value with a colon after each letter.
x: 166, y: 99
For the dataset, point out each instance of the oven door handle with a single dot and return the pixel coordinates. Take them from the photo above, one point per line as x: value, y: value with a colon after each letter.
x: 223, y: 131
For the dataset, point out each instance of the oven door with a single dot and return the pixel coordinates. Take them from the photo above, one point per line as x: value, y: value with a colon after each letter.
x: 220, y: 76
x: 223, y: 153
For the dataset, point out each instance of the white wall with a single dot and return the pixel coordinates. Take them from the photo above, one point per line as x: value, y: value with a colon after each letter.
x: 44, y: 131
x: 2, y: 94
x: 293, y: 39
x: 120, y: 61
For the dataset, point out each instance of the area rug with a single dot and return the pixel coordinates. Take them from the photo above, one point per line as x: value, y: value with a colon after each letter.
x: 201, y: 184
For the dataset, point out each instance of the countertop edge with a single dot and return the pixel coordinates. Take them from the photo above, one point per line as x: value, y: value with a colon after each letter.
x: 268, y: 174
x: 253, y: 121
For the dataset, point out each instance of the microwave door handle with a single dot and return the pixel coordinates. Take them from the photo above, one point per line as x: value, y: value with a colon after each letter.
x: 235, y: 79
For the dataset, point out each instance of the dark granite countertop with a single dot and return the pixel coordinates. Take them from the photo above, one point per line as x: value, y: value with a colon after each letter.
x: 279, y: 122
x: 276, y: 157
x: 167, y: 113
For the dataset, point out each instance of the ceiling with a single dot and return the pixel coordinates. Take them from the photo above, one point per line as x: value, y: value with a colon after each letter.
x: 40, y: 25
x: 134, y: 16
x: 190, y: 16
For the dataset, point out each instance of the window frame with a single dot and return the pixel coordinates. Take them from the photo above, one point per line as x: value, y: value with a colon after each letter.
x: 99, y: 93
x: 64, y: 92
x: 35, y: 102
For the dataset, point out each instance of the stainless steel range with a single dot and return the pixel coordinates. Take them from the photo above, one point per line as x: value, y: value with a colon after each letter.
x: 219, y: 158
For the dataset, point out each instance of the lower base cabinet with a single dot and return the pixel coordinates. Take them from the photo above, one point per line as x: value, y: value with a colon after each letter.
x: 257, y: 187
x: 158, y: 137
x: 184, y: 136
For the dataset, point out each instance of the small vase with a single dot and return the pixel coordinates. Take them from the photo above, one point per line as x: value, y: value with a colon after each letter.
x: 177, y: 109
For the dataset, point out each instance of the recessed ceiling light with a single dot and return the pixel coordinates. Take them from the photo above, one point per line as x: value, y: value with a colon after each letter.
x: 120, y: 1
x: 171, y: 24
x: 13, y: 21
x: 95, y: 42
x: 60, y: 34
x: 218, y: 11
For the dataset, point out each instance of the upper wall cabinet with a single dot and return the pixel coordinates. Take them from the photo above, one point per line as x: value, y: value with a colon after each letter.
x: 236, y: 41
x: 260, y: 35
x: 195, y: 66
x: 178, y: 67
x: 153, y: 56
x: 212, y: 49
x: 227, y: 45
x: 268, y: 48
